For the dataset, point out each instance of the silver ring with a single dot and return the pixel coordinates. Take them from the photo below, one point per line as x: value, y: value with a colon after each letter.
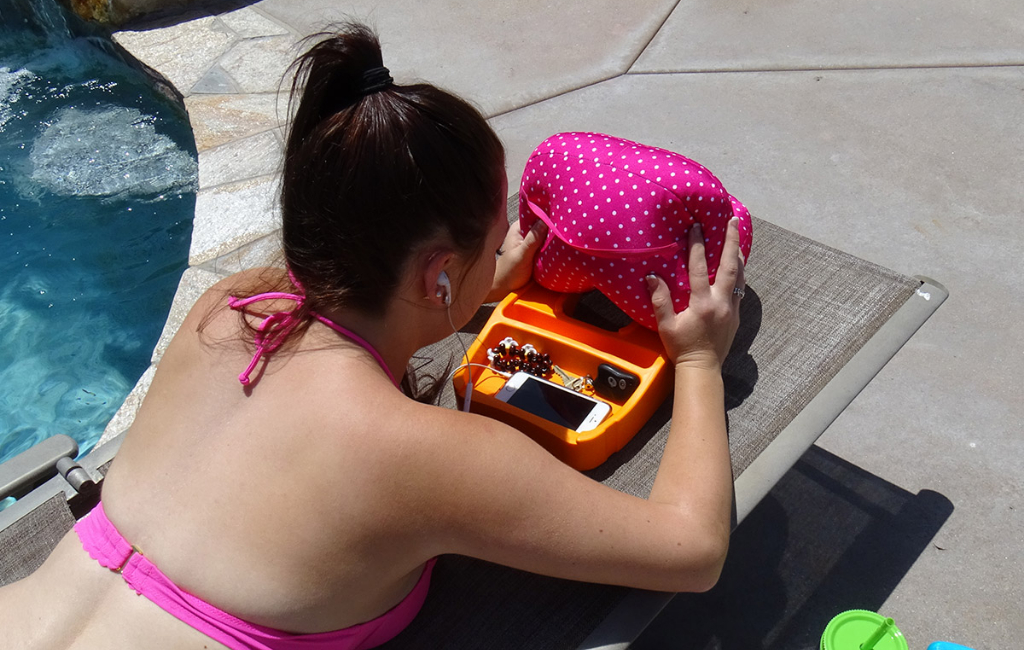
x: 739, y: 292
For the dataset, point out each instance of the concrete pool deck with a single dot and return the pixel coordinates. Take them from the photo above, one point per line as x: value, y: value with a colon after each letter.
x: 895, y: 133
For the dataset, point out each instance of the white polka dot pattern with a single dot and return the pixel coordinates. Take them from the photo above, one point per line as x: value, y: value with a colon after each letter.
x: 618, y: 210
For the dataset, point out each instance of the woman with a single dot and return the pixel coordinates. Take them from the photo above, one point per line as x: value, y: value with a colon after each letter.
x: 309, y: 494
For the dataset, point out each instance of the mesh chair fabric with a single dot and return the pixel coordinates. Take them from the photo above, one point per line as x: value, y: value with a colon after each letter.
x: 25, y: 544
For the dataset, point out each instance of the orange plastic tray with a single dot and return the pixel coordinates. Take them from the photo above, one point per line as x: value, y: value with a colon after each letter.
x: 540, y: 317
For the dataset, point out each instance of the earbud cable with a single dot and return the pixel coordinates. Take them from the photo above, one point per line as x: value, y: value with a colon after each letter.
x: 469, y: 383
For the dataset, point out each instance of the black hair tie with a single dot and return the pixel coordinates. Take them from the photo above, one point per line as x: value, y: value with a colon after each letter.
x: 375, y: 79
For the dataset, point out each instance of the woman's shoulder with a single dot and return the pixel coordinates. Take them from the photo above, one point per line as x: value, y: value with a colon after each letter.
x: 213, y: 302
x: 430, y: 440
x: 244, y: 283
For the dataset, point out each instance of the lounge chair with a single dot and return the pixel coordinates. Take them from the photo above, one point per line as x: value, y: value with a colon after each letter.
x: 817, y: 325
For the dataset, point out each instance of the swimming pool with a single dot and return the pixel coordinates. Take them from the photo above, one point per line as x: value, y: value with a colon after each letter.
x: 97, y: 191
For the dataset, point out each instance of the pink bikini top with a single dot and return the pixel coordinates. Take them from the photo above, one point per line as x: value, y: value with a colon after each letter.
x: 274, y: 329
x: 105, y: 544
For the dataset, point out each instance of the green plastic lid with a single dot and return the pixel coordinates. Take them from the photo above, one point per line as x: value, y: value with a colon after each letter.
x: 859, y: 629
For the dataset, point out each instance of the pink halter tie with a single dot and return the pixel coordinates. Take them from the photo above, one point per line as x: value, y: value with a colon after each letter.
x: 274, y: 329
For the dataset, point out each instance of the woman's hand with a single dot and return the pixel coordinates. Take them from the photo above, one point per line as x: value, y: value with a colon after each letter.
x: 702, y: 334
x: 515, y: 263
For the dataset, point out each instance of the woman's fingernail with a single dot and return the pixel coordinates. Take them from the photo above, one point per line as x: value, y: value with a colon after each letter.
x: 735, y: 222
x: 652, y: 281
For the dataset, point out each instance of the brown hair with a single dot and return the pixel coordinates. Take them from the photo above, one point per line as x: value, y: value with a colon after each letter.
x: 370, y: 176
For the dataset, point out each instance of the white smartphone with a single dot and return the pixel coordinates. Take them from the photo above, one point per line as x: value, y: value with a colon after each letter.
x: 552, y: 402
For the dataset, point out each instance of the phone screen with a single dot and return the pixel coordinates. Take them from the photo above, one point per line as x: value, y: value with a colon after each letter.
x: 560, y: 406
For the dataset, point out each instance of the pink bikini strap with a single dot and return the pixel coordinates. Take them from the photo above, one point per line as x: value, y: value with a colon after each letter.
x: 274, y: 329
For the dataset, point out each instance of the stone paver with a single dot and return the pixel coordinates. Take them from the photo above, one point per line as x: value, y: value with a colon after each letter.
x: 258, y: 65
x: 265, y: 251
x: 183, y: 52
x: 228, y: 216
x: 248, y: 23
x: 216, y: 81
x: 223, y: 118
x: 257, y: 155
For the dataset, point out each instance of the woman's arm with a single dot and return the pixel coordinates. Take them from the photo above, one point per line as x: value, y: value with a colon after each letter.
x: 696, y: 470
x: 500, y: 497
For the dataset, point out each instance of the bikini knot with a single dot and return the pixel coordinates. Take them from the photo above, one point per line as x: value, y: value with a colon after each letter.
x: 274, y: 329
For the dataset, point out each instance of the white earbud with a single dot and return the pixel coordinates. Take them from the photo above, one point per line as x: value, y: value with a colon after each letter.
x: 445, y: 288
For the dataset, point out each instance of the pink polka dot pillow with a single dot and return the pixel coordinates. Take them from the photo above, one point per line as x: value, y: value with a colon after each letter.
x: 617, y: 210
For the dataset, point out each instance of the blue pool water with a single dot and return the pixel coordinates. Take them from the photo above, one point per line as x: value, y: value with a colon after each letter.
x: 97, y: 192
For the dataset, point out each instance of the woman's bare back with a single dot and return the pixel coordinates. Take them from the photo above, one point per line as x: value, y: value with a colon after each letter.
x: 253, y: 500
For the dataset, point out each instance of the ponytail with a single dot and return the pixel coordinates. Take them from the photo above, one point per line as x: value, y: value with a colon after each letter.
x: 328, y: 77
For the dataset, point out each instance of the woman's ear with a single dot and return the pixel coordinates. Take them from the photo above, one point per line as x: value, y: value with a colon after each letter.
x: 435, y: 279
